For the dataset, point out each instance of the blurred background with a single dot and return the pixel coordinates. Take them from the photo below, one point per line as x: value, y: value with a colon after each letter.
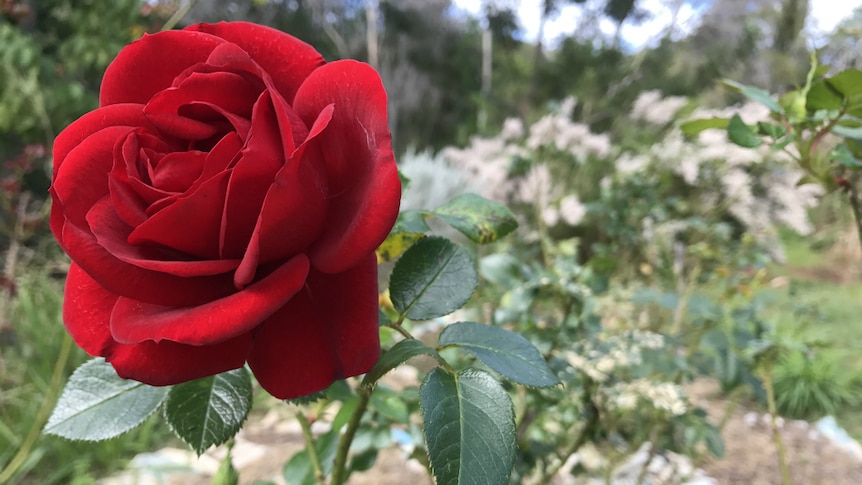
x: 568, y: 111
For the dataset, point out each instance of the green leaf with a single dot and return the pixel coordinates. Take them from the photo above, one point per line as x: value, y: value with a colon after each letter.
x: 410, y: 221
x: 480, y: 219
x: 345, y: 412
x: 298, y: 470
x: 226, y: 473
x: 433, y: 278
x: 306, y: 399
x: 714, y: 443
x: 400, y: 353
x: 741, y: 134
x: 771, y: 130
x: 363, y: 461
x: 395, y: 245
x: 842, y: 155
x: 755, y: 94
x: 506, y: 352
x: 854, y: 132
x: 502, y: 269
x: 209, y: 411
x: 847, y: 82
x: 390, y: 404
x: 97, y: 404
x: 469, y: 427
x: 822, y: 96
x: 694, y: 127
x: 405, y: 180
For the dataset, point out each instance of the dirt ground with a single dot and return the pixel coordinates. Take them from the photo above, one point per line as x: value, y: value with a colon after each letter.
x: 750, y: 455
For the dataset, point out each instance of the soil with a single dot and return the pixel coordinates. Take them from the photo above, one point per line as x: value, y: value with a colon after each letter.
x: 751, y: 458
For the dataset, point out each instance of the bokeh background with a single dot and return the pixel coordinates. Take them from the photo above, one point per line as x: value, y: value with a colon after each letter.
x: 567, y: 111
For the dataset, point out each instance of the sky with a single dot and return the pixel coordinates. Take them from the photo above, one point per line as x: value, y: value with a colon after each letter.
x: 825, y: 15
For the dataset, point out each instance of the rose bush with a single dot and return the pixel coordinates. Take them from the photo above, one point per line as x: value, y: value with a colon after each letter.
x: 222, y: 206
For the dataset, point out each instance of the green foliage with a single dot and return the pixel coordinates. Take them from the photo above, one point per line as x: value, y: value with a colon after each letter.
x: 810, y: 386
x: 29, y: 351
x: 209, y: 411
x: 482, y: 220
x: 299, y: 470
x: 97, y: 404
x: 52, y: 62
x: 433, y: 278
x: 506, y: 352
x: 399, y: 353
x: 469, y: 427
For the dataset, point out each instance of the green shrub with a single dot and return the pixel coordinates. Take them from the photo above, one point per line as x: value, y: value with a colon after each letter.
x: 813, y: 385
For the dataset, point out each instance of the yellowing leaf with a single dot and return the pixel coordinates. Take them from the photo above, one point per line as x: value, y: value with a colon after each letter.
x: 395, y: 244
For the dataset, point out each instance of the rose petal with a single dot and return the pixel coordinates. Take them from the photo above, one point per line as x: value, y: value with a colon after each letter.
x: 364, y: 188
x: 131, y: 115
x: 134, y: 321
x: 112, y: 233
x: 142, y: 68
x: 177, y: 171
x: 87, y: 311
x: 222, y: 156
x: 285, y: 58
x: 181, y: 127
x: 293, y: 211
x: 228, y: 90
x: 191, y: 224
x: 328, y: 331
x: 167, y: 363
x: 82, y: 179
x: 252, y: 175
x: 224, y: 95
x: 124, y: 279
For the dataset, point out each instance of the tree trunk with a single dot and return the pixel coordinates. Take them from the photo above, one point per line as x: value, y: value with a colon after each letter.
x: 537, y: 54
x: 371, y: 15
x: 487, y: 51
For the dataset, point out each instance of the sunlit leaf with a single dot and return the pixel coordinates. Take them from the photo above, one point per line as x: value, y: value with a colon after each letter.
x: 97, y: 404
x: 741, y: 134
x: 694, y: 127
x: 755, y: 94
x: 480, y: 219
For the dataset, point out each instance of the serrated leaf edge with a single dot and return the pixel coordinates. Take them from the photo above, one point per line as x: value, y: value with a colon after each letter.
x: 155, y: 409
x: 493, y: 350
x: 232, y: 432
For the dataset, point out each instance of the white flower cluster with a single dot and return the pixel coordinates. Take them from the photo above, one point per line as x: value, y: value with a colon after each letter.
x: 653, y: 108
x: 557, y: 130
x: 757, y: 186
x: 664, y: 396
x: 571, y: 211
x: 486, y: 161
x: 600, y: 357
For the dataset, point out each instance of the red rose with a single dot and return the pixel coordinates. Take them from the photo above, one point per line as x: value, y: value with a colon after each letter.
x: 222, y: 206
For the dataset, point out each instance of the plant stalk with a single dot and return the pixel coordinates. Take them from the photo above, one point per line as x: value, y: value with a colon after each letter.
x: 766, y: 376
x: 339, y: 469
x: 313, y: 457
